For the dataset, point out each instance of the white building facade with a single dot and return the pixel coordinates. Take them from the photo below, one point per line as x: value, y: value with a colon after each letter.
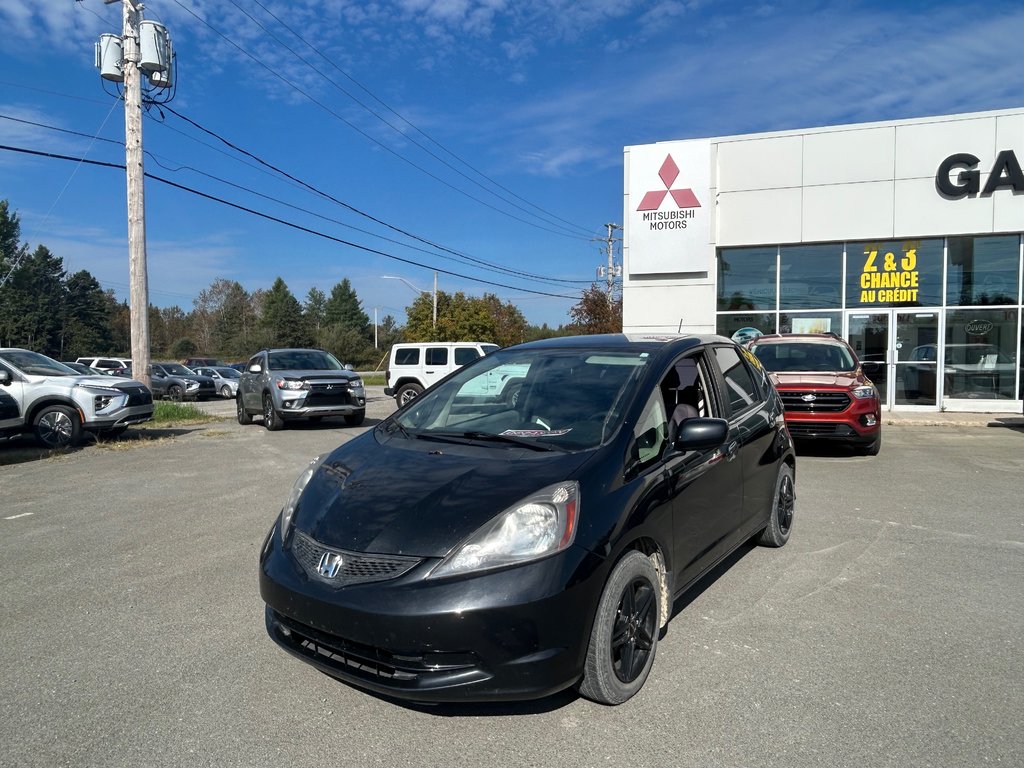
x: 903, y: 237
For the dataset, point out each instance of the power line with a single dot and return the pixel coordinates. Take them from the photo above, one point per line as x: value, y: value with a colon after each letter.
x: 363, y: 133
x: 283, y: 222
x: 395, y: 128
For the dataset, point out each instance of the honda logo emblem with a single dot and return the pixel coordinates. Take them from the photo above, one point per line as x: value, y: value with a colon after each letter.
x: 330, y: 565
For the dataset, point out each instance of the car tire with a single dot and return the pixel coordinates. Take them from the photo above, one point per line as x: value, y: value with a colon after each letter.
x: 57, y: 426
x: 271, y: 418
x: 175, y: 393
x: 225, y: 391
x: 780, y: 522
x: 355, y: 419
x: 872, y: 448
x: 244, y: 417
x: 407, y: 393
x: 624, y: 638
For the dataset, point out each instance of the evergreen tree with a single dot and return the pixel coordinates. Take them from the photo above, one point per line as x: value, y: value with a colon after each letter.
x: 32, y: 303
x: 315, y: 310
x: 282, y: 317
x: 85, y: 318
x: 344, y: 308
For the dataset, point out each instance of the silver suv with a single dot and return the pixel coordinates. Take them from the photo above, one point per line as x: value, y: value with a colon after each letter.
x: 291, y: 384
x: 57, y: 404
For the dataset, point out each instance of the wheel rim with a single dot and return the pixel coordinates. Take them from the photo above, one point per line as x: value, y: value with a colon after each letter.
x: 786, y: 502
x: 56, y: 428
x: 225, y: 391
x: 174, y: 393
x: 633, y: 633
x: 408, y: 396
x: 238, y: 407
x: 268, y: 410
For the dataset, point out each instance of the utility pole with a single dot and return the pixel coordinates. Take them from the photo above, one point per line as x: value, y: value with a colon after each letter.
x: 138, y: 273
x: 611, y: 271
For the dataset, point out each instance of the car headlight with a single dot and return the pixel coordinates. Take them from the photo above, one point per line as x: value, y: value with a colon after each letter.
x: 104, y: 398
x: 540, y: 525
x: 864, y: 392
x: 288, y: 513
x: 356, y: 385
x: 291, y: 384
x: 190, y: 385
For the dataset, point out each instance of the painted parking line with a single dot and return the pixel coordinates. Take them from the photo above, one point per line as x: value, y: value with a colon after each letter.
x: 23, y: 514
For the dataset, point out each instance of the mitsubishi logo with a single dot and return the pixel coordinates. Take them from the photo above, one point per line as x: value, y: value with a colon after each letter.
x: 329, y: 565
x: 685, y: 198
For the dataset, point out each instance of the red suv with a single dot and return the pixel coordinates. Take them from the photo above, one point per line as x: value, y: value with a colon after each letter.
x: 823, y: 388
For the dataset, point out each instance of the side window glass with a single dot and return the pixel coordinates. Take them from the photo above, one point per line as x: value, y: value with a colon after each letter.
x: 407, y: 356
x: 650, y: 434
x: 465, y: 355
x: 740, y: 390
x: 437, y: 356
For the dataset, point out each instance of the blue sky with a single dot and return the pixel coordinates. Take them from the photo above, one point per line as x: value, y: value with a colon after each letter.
x: 491, y: 129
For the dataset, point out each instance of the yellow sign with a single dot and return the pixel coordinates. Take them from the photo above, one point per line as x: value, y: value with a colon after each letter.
x: 885, y: 279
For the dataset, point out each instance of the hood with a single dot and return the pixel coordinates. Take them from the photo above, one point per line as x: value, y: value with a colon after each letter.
x: 391, y: 495
x: 312, y: 375
x: 838, y: 380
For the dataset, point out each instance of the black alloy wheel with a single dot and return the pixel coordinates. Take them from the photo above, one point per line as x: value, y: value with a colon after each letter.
x: 780, y: 522
x: 175, y: 393
x: 271, y: 419
x: 633, y: 637
x: 243, y: 415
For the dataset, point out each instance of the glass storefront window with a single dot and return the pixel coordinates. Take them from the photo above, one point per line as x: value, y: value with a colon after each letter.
x: 894, y: 273
x: 811, y: 276
x: 983, y: 270
x: 746, y: 278
x: 811, y: 322
x: 981, y: 357
x: 728, y: 325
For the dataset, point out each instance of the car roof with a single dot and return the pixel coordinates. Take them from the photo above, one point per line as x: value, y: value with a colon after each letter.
x: 775, y: 338
x: 626, y: 342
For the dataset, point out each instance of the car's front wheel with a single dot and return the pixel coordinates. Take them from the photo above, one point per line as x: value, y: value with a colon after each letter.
x: 355, y: 419
x: 175, y: 393
x: 780, y: 523
x: 625, y: 634
x: 271, y: 418
x: 57, y: 426
x: 872, y: 448
x: 244, y: 417
x: 225, y: 391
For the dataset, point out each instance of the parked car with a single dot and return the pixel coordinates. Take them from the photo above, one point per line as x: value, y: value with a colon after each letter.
x: 105, y: 363
x: 206, y: 389
x: 291, y: 384
x: 204, y: 362
x: 823, y: 387
x: 164, y: 386
x: 57, y: 404
x: 414, y: 367
x: 83, y: 369
x: 225, y: 379
x: 468, y: 549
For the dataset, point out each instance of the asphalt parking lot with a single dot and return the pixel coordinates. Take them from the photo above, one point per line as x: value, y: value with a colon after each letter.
x: 888, y: 632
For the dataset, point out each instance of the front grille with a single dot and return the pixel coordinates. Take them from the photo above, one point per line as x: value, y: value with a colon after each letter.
x: 816, y: 429
x: 356, y: 567
x: 367, y: 661
x: 328, y: 394
x: 137, y: 395
x: 823, y: 402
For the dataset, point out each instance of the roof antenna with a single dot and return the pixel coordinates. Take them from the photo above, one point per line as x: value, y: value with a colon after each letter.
x: 680, y: 326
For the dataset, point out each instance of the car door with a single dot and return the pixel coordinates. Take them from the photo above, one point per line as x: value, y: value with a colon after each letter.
x: 752, y: 428
x: 10, y: 397
x: 249, y: 386
x: 706, y: 485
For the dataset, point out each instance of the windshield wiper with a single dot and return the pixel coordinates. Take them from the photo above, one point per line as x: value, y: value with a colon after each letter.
x: 391, y: 424
x: 495, y: 438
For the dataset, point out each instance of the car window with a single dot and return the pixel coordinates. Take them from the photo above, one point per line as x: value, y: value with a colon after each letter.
x: 407, y: 356
x: 437, y: 356
x: 783, y: 357
x: 464, y: 356
x: 651, y: 432
x: 740, y: 390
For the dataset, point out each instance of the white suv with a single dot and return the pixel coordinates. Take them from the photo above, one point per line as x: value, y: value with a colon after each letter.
x: 414, y: 367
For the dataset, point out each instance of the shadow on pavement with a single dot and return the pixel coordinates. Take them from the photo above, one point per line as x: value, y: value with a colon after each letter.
x: 24, y: 449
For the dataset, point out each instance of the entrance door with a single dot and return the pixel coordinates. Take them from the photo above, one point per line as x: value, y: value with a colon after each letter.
x: 898, y: 349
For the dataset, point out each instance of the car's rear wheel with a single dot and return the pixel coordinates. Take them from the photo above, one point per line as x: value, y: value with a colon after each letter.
x: 271, y: 419
x: 407, y: 393
x: 57, y: 426
x: 355, y: 419
x: 625, y: 634
x: 244, y: 417
x: 780, y: 523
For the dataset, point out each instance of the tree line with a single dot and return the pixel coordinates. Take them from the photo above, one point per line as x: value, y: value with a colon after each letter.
x: 46, y: 309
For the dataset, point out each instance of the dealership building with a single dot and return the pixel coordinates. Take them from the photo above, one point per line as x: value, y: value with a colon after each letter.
x: 903, y: 237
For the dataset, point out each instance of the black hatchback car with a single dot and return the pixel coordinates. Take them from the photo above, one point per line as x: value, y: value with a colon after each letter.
x: 478, y: 545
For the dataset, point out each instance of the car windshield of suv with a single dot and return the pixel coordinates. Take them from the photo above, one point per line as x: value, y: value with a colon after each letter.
x: 792, y: 356
x: 175, y: 369
x: 303, y: 360
x: 543, y: 399
x: 35, y: 364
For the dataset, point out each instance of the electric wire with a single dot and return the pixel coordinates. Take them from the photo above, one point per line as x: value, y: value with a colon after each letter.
x: 283, y: 222
x: 390, y: 125
x: 363, y: 133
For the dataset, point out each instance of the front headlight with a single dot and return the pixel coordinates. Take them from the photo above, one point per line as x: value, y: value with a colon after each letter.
x: 356, y: 385
x: 291, y: 384
x: 863, y: 392
x: 190, y: 385
x: 288, y: 513
x: 539, y: 525
x: 104, y: 398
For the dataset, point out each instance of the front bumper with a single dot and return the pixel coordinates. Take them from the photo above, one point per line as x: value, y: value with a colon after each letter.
x: 134, y: 414
x: 520, y: 633
x: 302, y: 405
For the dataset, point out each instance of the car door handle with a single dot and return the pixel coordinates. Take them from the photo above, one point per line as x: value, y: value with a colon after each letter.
x: 731, y: 450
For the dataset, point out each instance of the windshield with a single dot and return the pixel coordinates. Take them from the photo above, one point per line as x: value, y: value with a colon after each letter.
x: 34, y: 364
x: 569, y: 399
x: 792, y: 356
x: 175, y: 369
x: 303, y: 360
x: 228, y: 373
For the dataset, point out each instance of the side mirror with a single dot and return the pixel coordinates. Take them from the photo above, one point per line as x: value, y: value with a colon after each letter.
x: 701, y: 434
x: 5, y: 376
x: 255, y: 368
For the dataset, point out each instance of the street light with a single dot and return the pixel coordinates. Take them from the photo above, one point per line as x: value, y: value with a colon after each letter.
x: 418, y: 290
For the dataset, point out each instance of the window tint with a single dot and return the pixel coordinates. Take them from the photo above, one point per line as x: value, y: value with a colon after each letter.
x: 741, y: 392
x: 407, y: 356
x: 651, y: 431
x: 437, y: 356
x: 465, y: 355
